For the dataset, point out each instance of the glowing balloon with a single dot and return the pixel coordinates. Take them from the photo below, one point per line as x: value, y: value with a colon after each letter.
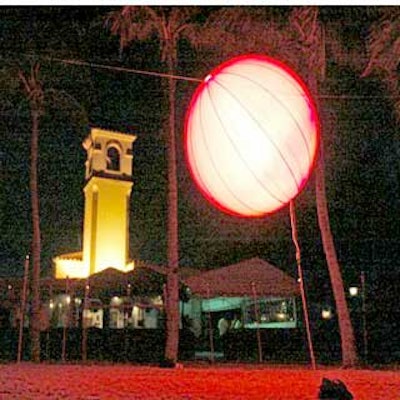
x: 251, y: 135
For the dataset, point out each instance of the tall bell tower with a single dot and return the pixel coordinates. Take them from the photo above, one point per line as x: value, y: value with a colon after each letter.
x: 107, y: 197
x: 107, y: 203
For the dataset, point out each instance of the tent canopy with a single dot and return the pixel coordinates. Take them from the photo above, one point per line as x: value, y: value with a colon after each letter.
x: 252, y: 277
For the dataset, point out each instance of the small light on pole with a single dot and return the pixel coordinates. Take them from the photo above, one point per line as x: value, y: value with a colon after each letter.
x: 353, y: 290
x: 326, y: 313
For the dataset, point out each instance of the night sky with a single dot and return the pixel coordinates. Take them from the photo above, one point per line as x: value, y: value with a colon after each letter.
x: 361, y: 149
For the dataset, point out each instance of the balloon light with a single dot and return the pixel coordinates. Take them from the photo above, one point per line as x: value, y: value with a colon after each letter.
x: 251, y: 135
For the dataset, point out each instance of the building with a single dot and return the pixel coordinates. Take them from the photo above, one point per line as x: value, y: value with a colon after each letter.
x: 255, y: 291
x: 107, y: 202
x: 102, y: 287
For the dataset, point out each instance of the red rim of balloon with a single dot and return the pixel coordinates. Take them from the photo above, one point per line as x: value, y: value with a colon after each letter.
x: 314, y: 114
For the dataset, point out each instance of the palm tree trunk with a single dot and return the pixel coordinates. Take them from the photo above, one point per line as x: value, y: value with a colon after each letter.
x: 349, y: 355
x: 33, y: 181
x: 172, y: 306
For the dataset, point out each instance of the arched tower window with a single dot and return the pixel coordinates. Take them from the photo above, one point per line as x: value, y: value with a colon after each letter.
x: 113, y: 159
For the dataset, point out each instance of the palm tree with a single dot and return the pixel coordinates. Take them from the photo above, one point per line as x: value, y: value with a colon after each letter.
x: 310, y: 37
x: 383, y: 47
x: 169, y: 24
x: 301, y: 44
x: 34, y: 91
x: 39, y: 99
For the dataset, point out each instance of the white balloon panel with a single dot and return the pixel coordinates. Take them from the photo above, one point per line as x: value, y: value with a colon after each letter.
x: 251, y: 136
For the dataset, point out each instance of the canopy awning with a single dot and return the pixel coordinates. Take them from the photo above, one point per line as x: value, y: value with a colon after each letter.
x: 252, y: 277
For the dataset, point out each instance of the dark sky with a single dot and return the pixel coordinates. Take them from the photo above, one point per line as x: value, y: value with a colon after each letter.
x: 362, y: 164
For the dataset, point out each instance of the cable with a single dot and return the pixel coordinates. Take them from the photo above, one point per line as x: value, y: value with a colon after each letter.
x: 122, y: 69
x: 190, y: 79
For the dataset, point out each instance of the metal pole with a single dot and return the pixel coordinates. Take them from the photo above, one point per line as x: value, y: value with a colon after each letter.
x: 84, y: 321
x: 210, y: 330
x: 65, y: 324
x: 50, y: 328
x: 364, y: 316
x: 257, y: 312
x: 22, y: 309
x: 302, y: 290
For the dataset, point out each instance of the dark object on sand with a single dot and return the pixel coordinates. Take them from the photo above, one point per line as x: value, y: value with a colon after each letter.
x: 334, y: 390
x: 165, y: 363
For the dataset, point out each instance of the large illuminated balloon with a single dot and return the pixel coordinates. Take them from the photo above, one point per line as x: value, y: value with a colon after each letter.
x: 251, y: 135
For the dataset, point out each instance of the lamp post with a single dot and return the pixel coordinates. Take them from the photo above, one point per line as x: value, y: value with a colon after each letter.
x: 356, y: 291
x: 364, y: 316
x: 22, y: 309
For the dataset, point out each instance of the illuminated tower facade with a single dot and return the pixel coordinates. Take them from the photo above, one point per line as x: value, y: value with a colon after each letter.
x: 107, y: 199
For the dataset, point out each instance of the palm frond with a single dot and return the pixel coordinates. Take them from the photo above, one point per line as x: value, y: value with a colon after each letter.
x: 383, y: 43
x: 68, y: 104
x: 230, y: 32
x: 182, y: 18
x: 383, y: 46
x: 33, y: 87
x: 131, y: 23
x: 306, y: 36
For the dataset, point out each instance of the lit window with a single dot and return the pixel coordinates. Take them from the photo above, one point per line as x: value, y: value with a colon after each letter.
x: 268, y: 311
